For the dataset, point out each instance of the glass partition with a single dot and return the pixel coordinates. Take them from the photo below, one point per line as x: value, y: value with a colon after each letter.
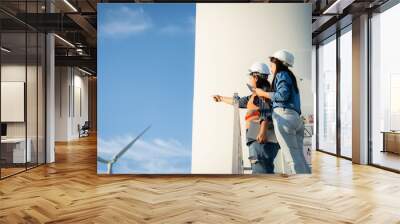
x: 14, y: 153
x: 31, y: 99
x: 327, y: 96
x: 41, y: 91
x: 385, y: 89
x: 22, y: 78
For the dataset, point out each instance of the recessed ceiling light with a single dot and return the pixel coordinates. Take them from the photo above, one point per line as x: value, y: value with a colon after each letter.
x: 64, y: 40
x: 84, y: 71
x: 70, y: 5
x: 331, y: 7
x: 5, y: 50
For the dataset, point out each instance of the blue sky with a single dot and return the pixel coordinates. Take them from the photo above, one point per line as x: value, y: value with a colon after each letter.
x: 145, y: 76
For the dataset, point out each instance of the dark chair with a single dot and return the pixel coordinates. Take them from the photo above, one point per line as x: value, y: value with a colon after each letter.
x: 84, y: 129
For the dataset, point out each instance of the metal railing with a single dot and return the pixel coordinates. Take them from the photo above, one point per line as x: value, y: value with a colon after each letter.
x: 237, y: 153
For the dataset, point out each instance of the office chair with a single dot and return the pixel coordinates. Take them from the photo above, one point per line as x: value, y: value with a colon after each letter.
x: 84, y: 130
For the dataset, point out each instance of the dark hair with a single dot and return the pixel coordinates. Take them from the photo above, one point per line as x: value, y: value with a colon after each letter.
x: 281, y: 67
x: 262, y: 83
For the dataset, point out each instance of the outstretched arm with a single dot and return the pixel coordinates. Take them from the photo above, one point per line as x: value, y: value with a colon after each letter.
x: 225, y: 99
x: 229, y: 100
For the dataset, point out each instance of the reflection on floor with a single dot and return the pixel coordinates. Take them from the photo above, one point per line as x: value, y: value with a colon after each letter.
x: 8, y: 170
x: 387, y: 159
x: 70, y: 191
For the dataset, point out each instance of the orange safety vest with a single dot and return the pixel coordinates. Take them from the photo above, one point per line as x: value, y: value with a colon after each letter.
x: 253, y: 112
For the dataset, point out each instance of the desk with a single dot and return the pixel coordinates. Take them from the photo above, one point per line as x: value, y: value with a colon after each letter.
x: 307, y: 142
x: 17, y: 150
x: 391, y: 141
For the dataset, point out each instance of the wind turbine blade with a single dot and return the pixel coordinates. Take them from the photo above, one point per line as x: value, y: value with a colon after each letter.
x: 116, y: 157
x: 101, y: 160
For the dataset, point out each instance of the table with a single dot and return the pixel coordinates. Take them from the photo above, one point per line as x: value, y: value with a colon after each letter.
x: 19, y: 155
x: 391, y: 141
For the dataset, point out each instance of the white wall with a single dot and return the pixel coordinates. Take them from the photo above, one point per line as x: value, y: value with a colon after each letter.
x: 18, y: 73
x: 229, y: 38
x: 69, y: 82
x: 15, y: 73
x: 80, y: 84
x: 61, y: 103
x: 12, y: 100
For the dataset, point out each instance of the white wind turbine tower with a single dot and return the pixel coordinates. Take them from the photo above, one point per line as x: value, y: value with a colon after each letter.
x: 111, y: 162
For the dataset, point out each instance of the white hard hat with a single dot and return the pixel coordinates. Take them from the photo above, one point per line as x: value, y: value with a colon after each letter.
x: 285, y: 57
x: 261, y: 68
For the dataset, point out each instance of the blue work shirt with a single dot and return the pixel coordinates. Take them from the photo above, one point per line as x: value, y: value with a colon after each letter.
x: 264, y: 107
x: 285, y: 95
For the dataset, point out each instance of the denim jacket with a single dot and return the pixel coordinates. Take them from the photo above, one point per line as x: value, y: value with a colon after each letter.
x: 285, y: 95
x: 265, y: 107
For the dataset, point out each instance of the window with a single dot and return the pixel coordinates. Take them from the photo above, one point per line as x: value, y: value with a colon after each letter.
x: 385, y: 89
x: 327, y: 96
x: 346, y: 93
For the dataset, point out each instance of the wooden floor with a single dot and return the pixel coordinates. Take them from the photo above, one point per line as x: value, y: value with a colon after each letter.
x: 10, y: 171
x: 70, y: 191
x: 387, y: 159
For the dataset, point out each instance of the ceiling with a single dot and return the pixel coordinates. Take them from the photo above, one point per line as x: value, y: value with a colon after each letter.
x: 75, y: 21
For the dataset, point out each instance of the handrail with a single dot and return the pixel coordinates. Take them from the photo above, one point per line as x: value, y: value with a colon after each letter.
x: 237, y: 153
